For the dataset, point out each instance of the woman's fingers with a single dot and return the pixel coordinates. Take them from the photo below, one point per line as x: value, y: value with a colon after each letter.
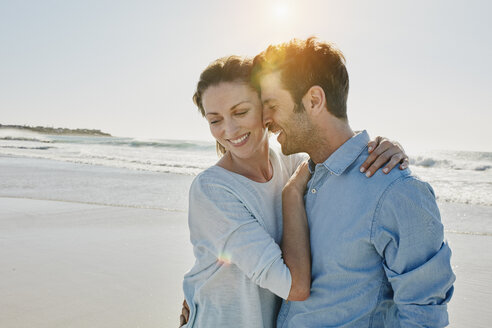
x: 395, y: 159
x: 387, y: 152
x: 404, y: 163
x: 379, y: 162
x: 301, y: 177
x: 380, y: 149
x: 298, y: 181
x: 373, y: 144
x: 303, y: 172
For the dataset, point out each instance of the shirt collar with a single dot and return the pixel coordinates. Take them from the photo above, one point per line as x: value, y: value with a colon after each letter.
x: 345, y: 155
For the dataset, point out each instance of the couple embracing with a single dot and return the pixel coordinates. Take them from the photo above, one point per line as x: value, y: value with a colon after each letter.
x: 281, y: 240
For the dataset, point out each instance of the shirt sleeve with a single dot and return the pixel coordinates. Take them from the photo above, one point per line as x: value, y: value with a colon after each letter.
x: 221, y: 224
x: 407, y: 232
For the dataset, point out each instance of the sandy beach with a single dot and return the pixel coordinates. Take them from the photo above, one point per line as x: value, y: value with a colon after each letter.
x: 100, y: 263
x: 76, y: 265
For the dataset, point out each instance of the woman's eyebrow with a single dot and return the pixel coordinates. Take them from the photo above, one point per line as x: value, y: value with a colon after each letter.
x: 232, y: 108
x: 239, y: 103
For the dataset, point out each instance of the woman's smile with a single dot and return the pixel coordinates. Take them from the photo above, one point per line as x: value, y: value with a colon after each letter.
x: 240, y: 140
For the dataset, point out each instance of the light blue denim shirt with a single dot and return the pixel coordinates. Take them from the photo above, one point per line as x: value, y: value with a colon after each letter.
x: 378, y: 256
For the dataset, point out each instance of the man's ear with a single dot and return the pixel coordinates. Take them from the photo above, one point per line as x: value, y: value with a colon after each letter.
x: 314, y: 100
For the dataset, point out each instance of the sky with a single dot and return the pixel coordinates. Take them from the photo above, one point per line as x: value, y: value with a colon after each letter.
x: 420, y: 71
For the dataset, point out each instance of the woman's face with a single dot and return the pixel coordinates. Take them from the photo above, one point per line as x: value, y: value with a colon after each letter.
x: 234, y: 113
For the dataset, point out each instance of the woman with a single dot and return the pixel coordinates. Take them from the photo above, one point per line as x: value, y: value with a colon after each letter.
x: 235, y: 212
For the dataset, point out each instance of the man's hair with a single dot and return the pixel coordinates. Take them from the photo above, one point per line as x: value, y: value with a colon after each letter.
x: 225, y: 69
x: 303, y: 64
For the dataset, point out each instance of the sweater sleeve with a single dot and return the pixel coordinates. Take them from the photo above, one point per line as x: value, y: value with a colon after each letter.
x: 295, y: 160
x: 221, y: 225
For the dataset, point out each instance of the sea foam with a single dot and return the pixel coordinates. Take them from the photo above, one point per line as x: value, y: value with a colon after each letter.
x: 456, y: 176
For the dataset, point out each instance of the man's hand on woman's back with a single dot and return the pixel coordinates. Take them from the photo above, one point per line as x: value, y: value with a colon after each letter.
x: 185, y: 314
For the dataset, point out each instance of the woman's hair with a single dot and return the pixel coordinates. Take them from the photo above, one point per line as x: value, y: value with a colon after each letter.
x: 225, y: 69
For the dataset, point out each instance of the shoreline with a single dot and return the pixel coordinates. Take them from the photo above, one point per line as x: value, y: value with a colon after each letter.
x: 97, y: 204
x: 56, y: 131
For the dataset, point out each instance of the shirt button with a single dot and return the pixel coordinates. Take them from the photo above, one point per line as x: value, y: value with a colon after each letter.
x: 313, y: 191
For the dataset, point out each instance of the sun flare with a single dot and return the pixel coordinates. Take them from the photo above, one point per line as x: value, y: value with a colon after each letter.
x: 281, y: 10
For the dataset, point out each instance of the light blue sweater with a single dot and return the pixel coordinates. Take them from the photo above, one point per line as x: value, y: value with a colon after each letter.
x: 235, y: 228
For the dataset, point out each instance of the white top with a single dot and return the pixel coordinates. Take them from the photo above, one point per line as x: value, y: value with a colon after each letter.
x: 235, y: 228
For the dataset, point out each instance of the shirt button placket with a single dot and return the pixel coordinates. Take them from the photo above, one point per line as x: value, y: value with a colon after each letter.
x: 315, y: 180
x: 313, y: 190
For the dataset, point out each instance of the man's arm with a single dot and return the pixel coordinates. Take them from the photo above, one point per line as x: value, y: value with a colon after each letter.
x: 407, y: 232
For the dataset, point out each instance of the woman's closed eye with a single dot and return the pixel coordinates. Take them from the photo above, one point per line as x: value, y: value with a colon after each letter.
x: 240, y: 113
x: 214, y: 121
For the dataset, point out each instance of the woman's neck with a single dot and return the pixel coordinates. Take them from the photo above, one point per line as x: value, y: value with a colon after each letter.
x: 257, y: 167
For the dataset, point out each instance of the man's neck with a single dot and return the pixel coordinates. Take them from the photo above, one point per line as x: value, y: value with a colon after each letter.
x: 328, y: 139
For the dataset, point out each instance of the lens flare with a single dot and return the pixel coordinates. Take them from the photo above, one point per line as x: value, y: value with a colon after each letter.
x: 224, y: 258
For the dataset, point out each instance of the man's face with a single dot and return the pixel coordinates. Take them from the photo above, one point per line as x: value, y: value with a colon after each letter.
x: 279, y: 116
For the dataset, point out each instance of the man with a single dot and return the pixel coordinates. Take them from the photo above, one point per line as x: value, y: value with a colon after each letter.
x: 378, y: 256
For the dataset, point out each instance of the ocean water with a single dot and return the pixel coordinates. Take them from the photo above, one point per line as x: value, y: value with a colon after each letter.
x: 169, y: 156
x: 461, y: 177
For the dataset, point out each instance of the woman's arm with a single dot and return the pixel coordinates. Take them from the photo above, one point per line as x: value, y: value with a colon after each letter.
x: 295, y: 240
x: 225, y: 230
x: 221, y: 224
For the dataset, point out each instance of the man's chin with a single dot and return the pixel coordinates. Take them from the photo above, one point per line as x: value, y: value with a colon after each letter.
x: 286, y: 150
